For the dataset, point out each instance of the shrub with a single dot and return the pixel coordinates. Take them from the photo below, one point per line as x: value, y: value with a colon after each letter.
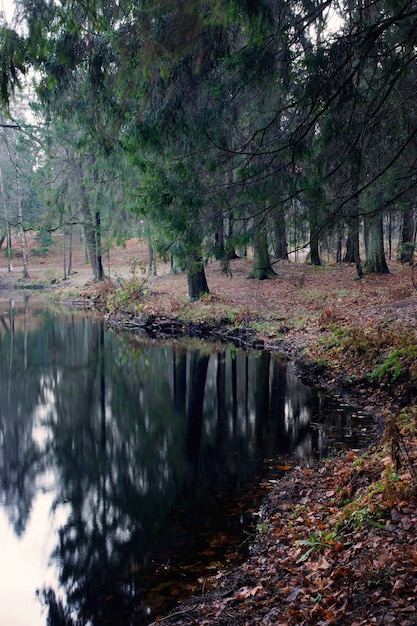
x: 44, y: 241
x: 128, y: 293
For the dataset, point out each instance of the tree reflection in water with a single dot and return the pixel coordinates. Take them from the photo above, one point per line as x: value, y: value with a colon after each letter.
x: 152, y: 448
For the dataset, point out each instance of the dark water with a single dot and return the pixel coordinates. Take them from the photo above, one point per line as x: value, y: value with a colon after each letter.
x: 130, y: 470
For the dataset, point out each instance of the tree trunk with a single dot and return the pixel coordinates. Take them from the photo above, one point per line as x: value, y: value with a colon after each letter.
x: 354, y: 237
x: 350, y: 248
x: 314, y: 252
x: 21, y: 229
x: 9, y: 251
x: 197, y: 282
x: 389, y: 236
x: 8, y: 237
x: 89, y: 230
x: 229, y: 248
x: 84, y: 245
x: 374, y: 245
x: 64, y: 254
x: 176, y: 264
x: 219, y: 251
x: 314, y: 233
x: 407, y: 237
x: 354, y: 220
x: 98, y: 247
x: 89, y: 226
x: 261, y: 269
x: 223, y: 246
x: 152, y: 259
x: 356, y: 251
x: 339, y: 247
x: 280, y: 242
x: 70, y: 253
x: 242, y: 250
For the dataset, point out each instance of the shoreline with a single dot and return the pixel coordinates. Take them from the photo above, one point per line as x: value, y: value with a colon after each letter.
x: 336, y: 542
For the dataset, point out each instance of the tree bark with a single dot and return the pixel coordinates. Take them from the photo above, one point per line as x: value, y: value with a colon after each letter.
x: 354, y: 220
x: 21, y: 229
x: 92, y: 238
x: 219, y: 251
x: 339, y: 247
x: 280, y: 243
x: 177, y: 265
x: 314, y: 252
x: 197, y: 282
x: 353, y: 238
x: 407, y: 237
x: 223, y: 247
x: 229, y: 248
x: 64, y: 255
x: 8, y: 237
x: 98, y: 247
x: 374, y: 245
x: 261, y: 269
x: 314, y: 233
x: 356, y: 250
x: 70, y: 253
x: 350, y: 248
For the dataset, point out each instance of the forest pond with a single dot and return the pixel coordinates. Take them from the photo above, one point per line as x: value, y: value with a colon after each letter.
x: 130, y: 470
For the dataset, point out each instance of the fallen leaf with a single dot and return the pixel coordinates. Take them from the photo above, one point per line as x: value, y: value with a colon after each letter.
x: 248, y: 592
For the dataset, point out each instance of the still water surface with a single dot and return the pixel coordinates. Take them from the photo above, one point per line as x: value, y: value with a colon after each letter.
x: 130, y: 470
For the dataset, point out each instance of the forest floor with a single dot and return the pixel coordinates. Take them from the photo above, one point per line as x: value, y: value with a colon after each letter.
x: 336, y: 543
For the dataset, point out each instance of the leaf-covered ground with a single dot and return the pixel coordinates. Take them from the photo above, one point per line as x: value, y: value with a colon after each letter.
x: 336, y: 543
x: 316, y: 563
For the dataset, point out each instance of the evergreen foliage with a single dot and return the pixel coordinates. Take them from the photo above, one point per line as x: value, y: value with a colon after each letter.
x: 235, y: 115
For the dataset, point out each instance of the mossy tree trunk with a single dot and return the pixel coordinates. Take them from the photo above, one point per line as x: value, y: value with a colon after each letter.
x: 261, y: 268
x: 374, y: 245
x: 196, y: 276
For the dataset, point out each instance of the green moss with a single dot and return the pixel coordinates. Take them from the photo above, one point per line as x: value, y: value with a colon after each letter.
x: 400, y: 363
